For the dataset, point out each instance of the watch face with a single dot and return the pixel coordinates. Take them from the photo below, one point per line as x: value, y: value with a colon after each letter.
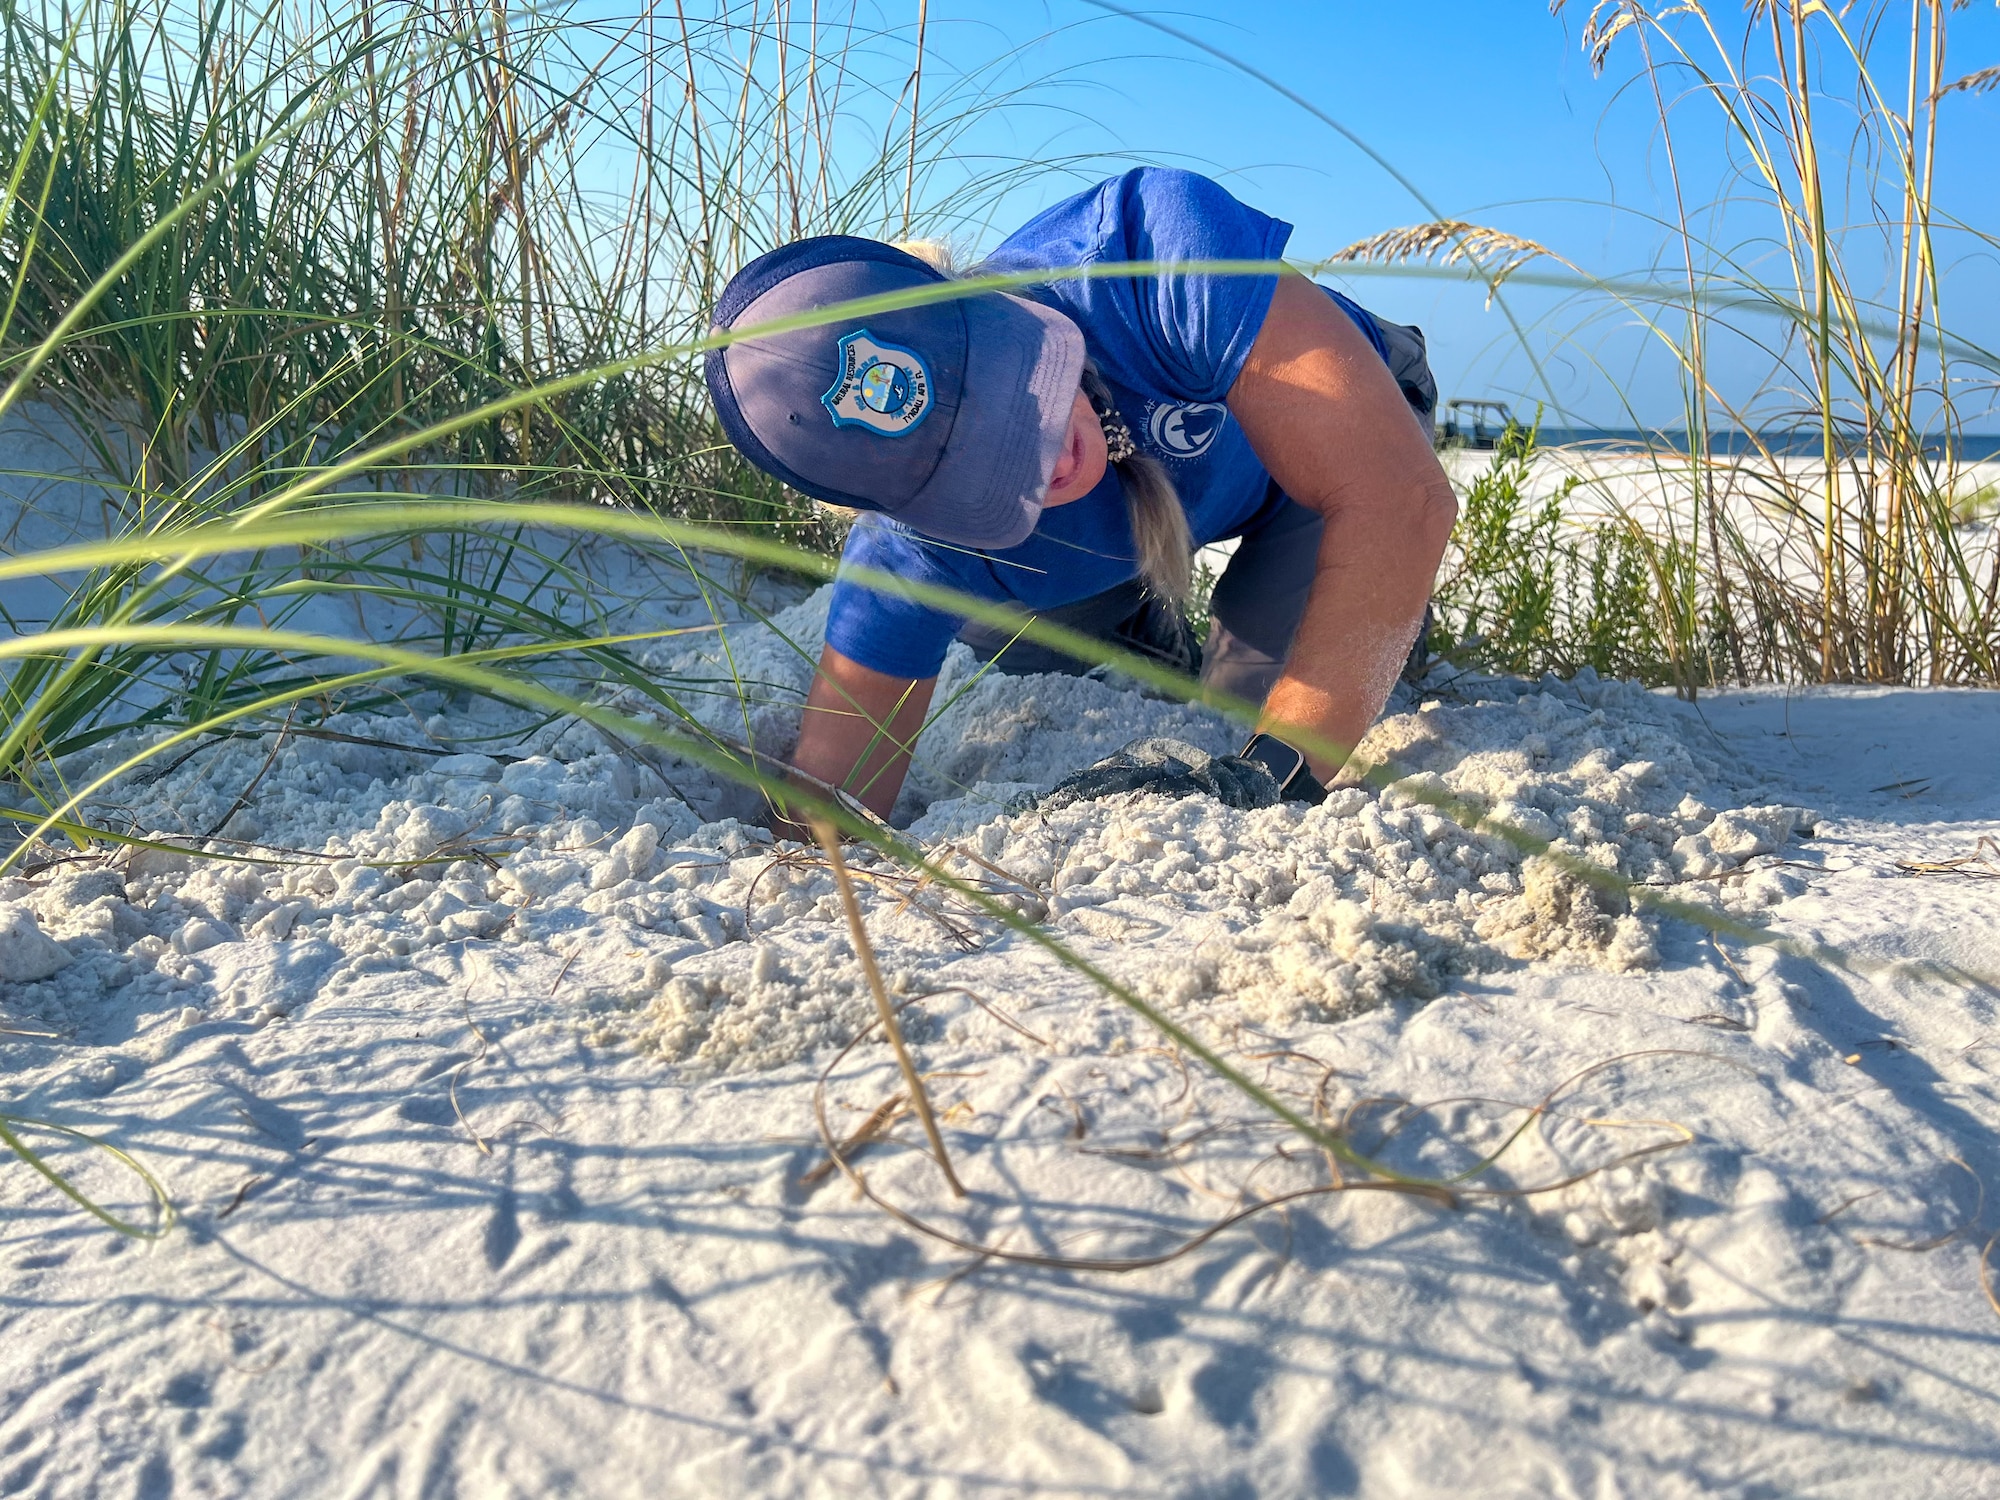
x: 1280, y: 759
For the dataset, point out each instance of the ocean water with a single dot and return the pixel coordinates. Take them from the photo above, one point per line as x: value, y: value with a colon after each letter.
x: 1800, y: 442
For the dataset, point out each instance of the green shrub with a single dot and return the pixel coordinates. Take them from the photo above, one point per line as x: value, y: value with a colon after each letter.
x: 1527, y: 591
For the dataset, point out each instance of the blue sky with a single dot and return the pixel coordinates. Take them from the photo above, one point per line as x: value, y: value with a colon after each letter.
x: 1491, y: 110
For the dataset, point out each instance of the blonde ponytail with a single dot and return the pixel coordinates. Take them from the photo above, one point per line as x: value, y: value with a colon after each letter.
x: 937, y: 254
x: 1160, y: 536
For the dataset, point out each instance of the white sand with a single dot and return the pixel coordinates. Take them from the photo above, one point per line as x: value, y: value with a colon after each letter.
x: 1776, y: 507
x: 494, y: 1179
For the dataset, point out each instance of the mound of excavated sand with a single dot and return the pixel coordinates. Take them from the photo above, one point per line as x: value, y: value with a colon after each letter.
x: 687, y: 939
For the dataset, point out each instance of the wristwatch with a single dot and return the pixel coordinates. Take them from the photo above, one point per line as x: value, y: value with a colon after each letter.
x: 1287, y: 764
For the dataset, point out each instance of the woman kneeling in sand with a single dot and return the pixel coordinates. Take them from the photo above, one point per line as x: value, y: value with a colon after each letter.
x: 1063, y: 450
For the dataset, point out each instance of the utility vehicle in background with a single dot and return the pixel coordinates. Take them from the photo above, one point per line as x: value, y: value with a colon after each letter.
x: 1473, y: 424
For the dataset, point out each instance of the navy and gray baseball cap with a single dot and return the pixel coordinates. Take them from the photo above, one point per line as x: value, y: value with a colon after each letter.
x: 948, y: 417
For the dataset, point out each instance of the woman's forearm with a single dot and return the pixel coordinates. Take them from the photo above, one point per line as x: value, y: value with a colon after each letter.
x: 857, y: 731
x: 1325, y: 416
x: 1377, y: 563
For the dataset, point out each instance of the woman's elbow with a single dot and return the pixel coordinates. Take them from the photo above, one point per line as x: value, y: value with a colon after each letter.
x: 1435, y: 514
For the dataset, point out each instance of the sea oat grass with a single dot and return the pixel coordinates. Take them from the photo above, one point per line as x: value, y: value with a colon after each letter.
x: 1877, y: 560
x: 1897, y: 589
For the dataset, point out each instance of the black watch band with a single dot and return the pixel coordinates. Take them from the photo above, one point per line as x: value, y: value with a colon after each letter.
x: 1287, y: 764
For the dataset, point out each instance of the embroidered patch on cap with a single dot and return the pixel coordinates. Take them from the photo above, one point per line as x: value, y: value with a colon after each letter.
x: 879, y: 386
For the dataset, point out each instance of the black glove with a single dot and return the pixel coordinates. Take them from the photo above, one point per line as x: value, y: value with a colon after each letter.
x: 1418, y: 664
x: 1169, y: 769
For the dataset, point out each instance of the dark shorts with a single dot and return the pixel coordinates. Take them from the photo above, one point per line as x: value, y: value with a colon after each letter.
x: 1258, y: 601
x: 1254, y: 612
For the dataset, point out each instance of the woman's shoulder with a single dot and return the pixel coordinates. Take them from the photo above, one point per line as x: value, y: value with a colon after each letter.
x: 885, y: 545
x: 1180, y: 336
x: 1147, y: 213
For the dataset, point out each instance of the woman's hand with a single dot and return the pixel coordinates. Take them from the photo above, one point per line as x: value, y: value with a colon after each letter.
x: 857, y: 733
x: 1326, y: 418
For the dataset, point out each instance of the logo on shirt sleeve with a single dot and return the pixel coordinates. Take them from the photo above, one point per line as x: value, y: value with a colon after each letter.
x: 1184, y: 429
x: 882, y: 387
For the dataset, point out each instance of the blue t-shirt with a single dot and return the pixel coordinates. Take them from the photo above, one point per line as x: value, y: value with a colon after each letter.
x: 1169, y: 348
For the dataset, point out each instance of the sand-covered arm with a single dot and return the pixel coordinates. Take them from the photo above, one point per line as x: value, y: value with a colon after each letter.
x: 1326, y: 418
